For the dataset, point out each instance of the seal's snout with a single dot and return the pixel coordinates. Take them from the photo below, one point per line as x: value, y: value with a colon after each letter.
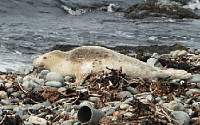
x: 37, y: 62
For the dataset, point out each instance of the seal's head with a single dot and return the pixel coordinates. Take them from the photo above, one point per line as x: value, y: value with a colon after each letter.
x: 48, y: 59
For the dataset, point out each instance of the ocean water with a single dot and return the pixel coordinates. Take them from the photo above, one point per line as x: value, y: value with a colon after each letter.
x: 29, y: 28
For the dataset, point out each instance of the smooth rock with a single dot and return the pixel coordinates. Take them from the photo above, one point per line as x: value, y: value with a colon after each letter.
x: 1, y: 112
x: 191, y: 91
x: 128, y: 114
x: 62, y: 89
x: 8, y: 85
x: 37, y: 106
x: 128, y: 101
x: 198, y: 85
x: 176, y: 106
x: 16, y: 94
x: 26, y: 85
x: 3, y: 95
x: 68, y: 122
x: 105, y: 109
x: 37, y: 120
x: 182, y: 117
x: 68, y: 79
x: 20, y: 79
x: 175, y: 53
x: 54, y: 76
x: 125, y: 94
x: 195, y: 78
x: 4, y: 102
x: 196, y: 104
x: 94, y: 99
x: 10, y: 90
x: 150, y: 98
x: 132, y: 90
x: 124, y: 106
x: 45, y: 72
x: 53, y: 84
x: 191, y: 50
x: 158, y: 99
x: 88, y: 103
x: 27, y: 78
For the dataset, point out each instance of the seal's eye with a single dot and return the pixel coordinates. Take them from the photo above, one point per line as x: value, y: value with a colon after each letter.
x: 45, y: 57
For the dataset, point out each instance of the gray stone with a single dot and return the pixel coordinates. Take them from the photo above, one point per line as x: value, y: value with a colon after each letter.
x: 198, y: 85
x: 191, y: 91
x: 37, y: 106
x: 20, y: 79
x: 62, y: 89
x: 150, y: 98
x: 27, y: 123
x: 175, y: 53
x: 128, y: 101
x: 1, y: 112
x: 176, y: 106
x: 158, y: 99
x: 16, y: 109
x: 27, y: 78
x: 10, y: 90
x: 124, y: 106
x: 4, y: 102
x: 88, y: 103
x: 8, y: 85
x: 26, y: 85
x: 53, y: 84
x: 16, y: 94
x: 191, y: 50
x: 196, y: 104
x: 132, y: 90
x: 128, y: 114
x: 105, y: 109
x: 125, y: 94
x: 154, y: 62
x: 45, y: 72
x: 182, y: 117
x: 195, y: 78
x: 37, y: 120
x: 94, y: 99
x: 54, y: 76
x: 68, y: 122
x: 3, y: 95
x: 68, y: 79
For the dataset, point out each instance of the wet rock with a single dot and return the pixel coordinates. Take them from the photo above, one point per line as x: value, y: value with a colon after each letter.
x: 54, y: 76
x: 195, y: 78
x: 3, y: 95
x: 182, y: 117
x: 158, y: 9
x: 53, y: 84
x: 125, y: 94
x: 176, y: 106
x: 37, y: 120
x: 132, y: 90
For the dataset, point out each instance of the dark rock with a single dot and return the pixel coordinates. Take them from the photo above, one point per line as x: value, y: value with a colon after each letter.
x: 158, y: 9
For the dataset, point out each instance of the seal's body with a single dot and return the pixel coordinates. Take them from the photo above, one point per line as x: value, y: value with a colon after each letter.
x: 84, y: 60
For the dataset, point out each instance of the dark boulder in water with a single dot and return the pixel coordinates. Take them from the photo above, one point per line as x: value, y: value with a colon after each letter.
x: 158, y: 9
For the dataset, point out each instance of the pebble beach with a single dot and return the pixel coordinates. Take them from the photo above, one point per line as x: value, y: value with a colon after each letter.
x: 30, y: 96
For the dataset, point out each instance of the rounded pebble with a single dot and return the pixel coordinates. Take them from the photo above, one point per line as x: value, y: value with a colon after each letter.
x: 94, y: 99
x: 53, y: 84
x: 191, y: 91
x: 128, y: 114
x: 26, y: 85
x: 182, y: 117
x: 3, y: 95
x: 54, y: 76
x: 62, y: 89
x: 124, y: 106
x: 195, y: 78
x: 125, y: 94
x: 132, y: 90
x: 37, y: 120
x: 176, y: 106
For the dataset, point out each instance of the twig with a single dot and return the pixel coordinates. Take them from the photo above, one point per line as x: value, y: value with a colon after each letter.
x: 21, y: 87
x: 3, y: 119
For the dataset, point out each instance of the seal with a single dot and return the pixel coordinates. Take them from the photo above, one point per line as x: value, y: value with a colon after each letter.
x: 82, y: 61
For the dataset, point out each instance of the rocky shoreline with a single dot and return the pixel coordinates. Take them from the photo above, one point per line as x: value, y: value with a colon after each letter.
x: 31, y: 96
